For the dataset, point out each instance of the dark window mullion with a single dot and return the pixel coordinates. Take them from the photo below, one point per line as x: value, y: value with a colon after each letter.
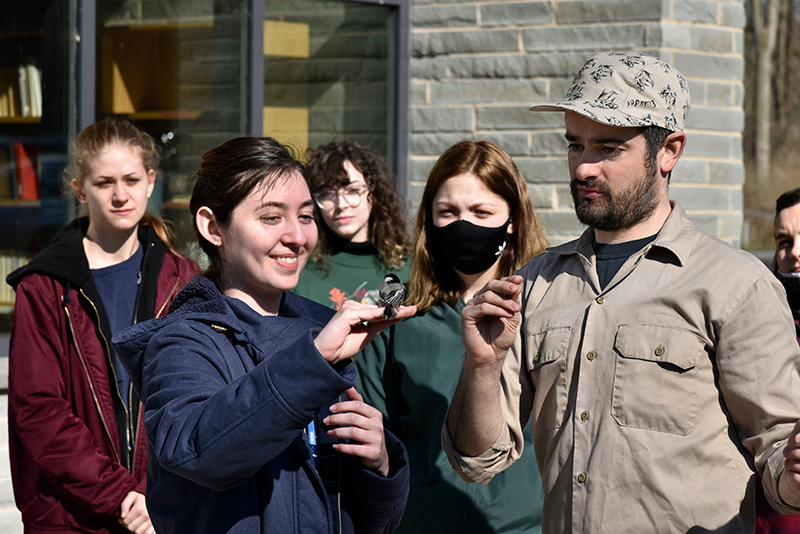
x: 254, y: 85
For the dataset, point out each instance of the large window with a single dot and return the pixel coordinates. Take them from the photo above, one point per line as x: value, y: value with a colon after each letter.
x: 193, y: 73
x: 178, y: 70
x: 37, y: 89
x: 330, y: 72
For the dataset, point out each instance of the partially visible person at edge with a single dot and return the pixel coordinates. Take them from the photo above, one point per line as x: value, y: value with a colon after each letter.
x: 657, y: 363
x: 786, y: 266
x: 475, y: 223
x: 253, y: 422
x: 78, y: 449
x: 362, y: 225
x: 786, y: 263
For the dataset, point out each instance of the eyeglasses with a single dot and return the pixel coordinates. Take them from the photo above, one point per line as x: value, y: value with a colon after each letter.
x: 327, y: 199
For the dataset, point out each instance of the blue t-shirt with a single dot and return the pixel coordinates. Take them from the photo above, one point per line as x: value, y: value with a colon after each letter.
x: 118, y: 286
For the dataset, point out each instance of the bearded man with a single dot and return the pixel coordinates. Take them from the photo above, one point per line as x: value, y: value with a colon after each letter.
x: 658, y: 363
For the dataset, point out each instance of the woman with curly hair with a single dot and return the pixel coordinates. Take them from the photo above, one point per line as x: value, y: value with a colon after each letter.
x: 362, y: 225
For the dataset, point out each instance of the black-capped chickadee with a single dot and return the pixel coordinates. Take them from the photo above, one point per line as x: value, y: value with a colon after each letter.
x: 391, y: 295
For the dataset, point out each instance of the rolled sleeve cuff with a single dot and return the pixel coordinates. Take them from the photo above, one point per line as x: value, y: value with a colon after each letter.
x: 485, y: 466
x: 771, y: 477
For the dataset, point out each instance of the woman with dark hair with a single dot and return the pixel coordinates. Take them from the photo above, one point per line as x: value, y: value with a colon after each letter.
x: 78, y: 449
x: 362, y: 225
x: 475, y: 223
x: 253, y: 421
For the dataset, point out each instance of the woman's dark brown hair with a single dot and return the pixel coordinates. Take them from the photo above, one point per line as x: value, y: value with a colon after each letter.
x: 433, y: 279
x: 226, y: 175
x: 387, y: 225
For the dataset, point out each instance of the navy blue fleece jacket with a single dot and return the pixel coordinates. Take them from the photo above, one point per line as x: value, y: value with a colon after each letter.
x: 227, y: 395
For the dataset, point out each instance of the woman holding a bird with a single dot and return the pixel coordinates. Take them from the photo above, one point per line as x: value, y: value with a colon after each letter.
x: 253, y: 422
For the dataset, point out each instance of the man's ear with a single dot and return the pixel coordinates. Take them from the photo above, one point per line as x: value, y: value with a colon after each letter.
x: 207, y: 226
x: 671, y: 152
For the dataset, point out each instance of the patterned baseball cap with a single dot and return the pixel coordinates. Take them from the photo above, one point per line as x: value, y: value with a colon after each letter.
x: 627, y: 89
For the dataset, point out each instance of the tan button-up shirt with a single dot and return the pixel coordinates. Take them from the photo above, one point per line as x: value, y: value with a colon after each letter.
x: 652, y: 398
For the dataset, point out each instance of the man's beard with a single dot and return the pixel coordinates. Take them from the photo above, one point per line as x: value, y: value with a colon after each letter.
x: 616, y: 211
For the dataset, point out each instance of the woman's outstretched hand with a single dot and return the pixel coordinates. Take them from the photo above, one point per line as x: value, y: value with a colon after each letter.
x: 354, y: 327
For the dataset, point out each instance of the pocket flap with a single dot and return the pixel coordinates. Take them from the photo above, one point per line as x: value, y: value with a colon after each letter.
x: 547, y: 346
x: 674, y: 346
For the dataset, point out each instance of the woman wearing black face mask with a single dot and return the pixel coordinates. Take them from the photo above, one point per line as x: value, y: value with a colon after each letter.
x: 475, y: 223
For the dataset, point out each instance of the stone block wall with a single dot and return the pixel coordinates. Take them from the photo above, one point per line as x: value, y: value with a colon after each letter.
x: 476, y: 67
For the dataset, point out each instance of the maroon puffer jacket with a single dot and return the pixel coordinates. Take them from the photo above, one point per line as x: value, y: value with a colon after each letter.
x: 76, y: 452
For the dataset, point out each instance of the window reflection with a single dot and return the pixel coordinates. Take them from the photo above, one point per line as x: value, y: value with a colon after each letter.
x: 329, y: 73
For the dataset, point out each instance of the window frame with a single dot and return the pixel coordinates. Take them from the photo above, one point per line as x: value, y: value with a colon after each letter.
x: 251, y: 121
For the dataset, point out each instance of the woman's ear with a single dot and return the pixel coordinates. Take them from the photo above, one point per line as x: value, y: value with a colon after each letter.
x: 207, y: 226
x: 77, y: 188
x: 151, y: 181
x: 511, y: 228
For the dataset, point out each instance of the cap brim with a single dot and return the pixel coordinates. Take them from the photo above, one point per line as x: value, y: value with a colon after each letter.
x: 547, y: 107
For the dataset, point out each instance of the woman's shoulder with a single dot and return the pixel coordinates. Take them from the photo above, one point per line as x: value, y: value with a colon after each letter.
x: 184, y: 265
x: 63, y: 259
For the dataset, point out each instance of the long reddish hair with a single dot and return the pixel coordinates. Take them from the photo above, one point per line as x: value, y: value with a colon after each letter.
x: 432, y: 281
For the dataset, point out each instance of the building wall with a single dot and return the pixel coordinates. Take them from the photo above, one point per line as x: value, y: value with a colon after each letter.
x: 476, y: 66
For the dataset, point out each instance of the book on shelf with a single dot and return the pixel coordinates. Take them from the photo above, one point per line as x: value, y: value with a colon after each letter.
x: 24, y: 91
x: 27, y: 185
x: 10, y: 261
x: 9, y: 102
x: 6, y: 187
x: 21, y: 90
x: 34, y: 79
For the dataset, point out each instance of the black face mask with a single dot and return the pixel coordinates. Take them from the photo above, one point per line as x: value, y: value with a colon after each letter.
x: 792, y: 286
x: 469, y: 248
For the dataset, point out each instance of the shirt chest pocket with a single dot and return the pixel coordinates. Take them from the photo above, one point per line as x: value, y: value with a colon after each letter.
x: 655, y: 379
x: 546, y: 358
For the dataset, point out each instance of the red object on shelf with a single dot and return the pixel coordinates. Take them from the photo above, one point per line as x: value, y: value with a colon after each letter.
x: 27, y: 184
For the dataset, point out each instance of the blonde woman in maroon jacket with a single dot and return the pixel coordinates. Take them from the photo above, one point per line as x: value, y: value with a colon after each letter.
x: 78, y: 451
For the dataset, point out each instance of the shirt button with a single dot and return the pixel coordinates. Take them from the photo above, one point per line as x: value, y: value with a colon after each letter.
x: 659, y: 350
x: 591, y: 355
x: 582, y: 478
x: 537, y: 357
x: 600, y: 300
x: 585, y: 416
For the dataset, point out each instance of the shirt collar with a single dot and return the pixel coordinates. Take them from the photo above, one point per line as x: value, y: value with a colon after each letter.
x: 677, y: 236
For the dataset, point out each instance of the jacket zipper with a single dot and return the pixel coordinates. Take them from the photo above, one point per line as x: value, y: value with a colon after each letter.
x: 133, y: 426
x: 339, y: 509
x: 91, y: 385
x: 169, y: 296
x: 114, y: 374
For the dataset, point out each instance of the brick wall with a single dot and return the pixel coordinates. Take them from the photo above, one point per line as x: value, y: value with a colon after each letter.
x: 477, y: 66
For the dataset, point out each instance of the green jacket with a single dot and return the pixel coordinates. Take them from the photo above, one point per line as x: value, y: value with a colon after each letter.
x: 352, y: 276
x: 410, y: 373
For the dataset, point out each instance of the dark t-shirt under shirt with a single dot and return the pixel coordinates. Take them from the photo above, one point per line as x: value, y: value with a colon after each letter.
x: 610, y: 257
x: 118, y: 286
